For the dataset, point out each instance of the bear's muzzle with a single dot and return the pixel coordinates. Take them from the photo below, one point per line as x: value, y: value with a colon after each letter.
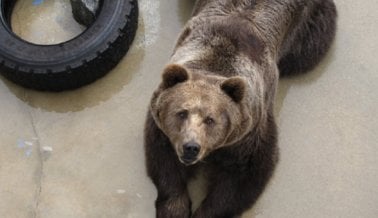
x: 190, y: 152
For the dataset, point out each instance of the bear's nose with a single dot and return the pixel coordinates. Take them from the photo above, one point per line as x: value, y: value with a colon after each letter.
x: 191, y: 150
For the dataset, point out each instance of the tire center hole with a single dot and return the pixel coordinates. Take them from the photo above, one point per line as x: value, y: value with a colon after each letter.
x: 45, y: 22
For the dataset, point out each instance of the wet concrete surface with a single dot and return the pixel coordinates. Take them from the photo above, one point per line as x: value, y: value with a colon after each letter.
x: 80, y: 153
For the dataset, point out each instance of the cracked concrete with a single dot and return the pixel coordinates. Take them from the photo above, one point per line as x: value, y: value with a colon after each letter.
x: 39, y: 170
x: 80, y: 153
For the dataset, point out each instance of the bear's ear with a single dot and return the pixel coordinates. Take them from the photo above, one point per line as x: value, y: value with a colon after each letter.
x: 235, y: 88
x: 174, y: 74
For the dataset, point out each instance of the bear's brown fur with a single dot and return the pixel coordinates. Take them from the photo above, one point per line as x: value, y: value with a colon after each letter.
x: 214, y: 107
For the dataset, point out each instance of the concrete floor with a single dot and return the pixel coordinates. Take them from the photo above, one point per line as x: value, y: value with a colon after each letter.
x: 80, y: 153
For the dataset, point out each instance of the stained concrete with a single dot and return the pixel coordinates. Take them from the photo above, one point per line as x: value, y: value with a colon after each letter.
x: 80, y: 153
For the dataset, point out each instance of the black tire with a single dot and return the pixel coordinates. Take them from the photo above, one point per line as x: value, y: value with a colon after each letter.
x: 74, y: 63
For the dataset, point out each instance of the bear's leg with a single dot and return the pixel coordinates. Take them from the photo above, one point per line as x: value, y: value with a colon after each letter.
x: 311, y: 41
x: 167, y: 173
x: 230, y: 194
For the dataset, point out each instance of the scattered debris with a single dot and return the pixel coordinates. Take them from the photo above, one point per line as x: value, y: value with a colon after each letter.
x: 28, y: 152
x: 29, y: 143
x: 27, y: 146
x: 21, y: 143
x: 37, y: 2
x: 47, y: 148
x: 121, y: 191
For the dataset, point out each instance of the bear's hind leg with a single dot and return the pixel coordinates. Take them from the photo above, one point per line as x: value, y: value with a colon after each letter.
x: 308, y: 44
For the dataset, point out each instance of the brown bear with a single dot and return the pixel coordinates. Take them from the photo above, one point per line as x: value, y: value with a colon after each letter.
x: 214, y: 106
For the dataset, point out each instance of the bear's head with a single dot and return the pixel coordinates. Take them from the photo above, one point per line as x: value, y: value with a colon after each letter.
x: 200, y: 113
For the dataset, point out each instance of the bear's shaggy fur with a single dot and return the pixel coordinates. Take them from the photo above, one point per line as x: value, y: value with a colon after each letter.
x: 214, y: 107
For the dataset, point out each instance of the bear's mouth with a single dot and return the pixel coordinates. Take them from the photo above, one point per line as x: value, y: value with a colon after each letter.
x: 188, y: 161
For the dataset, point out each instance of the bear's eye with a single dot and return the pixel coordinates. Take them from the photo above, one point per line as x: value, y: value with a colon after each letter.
x: 182, y: 114
x: 209, y: 121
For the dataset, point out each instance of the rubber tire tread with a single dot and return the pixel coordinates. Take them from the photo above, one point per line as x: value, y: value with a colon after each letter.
x: 94, y: 63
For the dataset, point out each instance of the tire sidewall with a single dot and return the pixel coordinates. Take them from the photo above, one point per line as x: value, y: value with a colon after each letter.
x: 17, y: 51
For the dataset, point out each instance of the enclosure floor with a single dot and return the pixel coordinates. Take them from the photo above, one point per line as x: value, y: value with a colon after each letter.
x: 80, y: 153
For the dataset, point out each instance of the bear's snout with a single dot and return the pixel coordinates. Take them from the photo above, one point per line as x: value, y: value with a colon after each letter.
x: 190, y: 150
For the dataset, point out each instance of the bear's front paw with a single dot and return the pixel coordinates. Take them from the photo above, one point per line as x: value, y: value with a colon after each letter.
x: 177, y: 207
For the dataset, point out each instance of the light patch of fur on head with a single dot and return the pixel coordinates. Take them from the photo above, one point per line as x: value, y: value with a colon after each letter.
x: 192, y: 130
x: 188, y: 53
